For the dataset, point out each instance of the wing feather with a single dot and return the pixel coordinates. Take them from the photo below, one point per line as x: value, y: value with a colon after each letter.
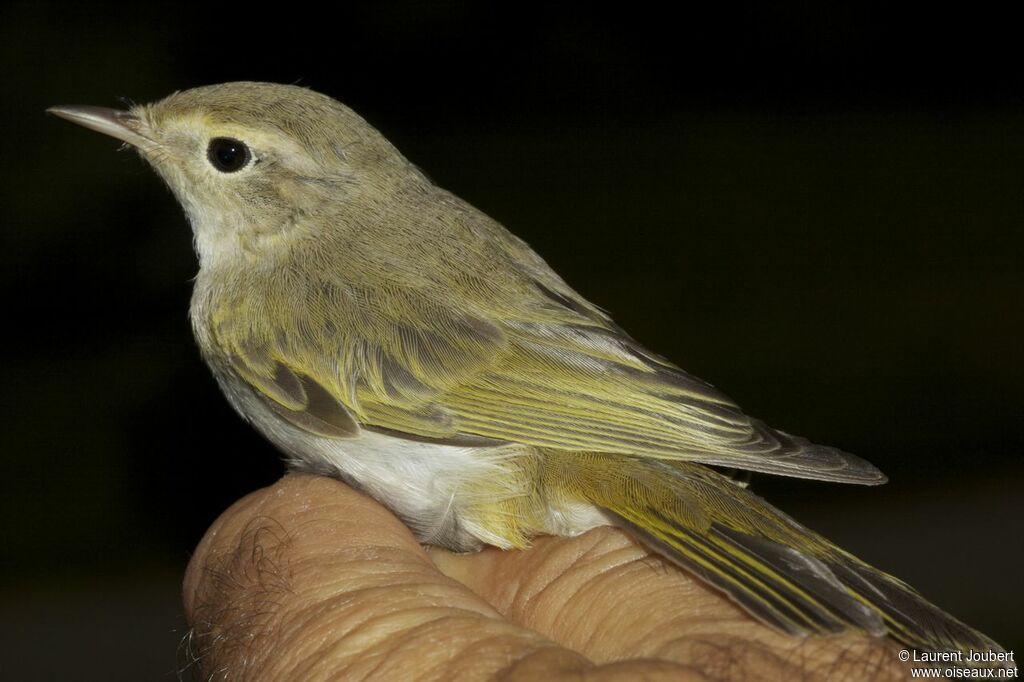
x: 510, y: 354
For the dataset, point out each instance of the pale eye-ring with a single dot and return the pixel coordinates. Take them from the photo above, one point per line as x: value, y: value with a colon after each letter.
x: 228, y: 155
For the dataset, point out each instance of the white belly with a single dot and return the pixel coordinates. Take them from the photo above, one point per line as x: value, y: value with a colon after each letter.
x: 429, y: 485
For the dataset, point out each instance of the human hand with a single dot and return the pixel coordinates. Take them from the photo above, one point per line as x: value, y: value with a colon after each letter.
x: 309, y: 580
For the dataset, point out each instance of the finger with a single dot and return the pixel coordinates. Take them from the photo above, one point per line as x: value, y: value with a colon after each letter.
x: 603, y: 595
x: 309, y: 579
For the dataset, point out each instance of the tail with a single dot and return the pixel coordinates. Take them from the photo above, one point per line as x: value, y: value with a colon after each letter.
x: 779, y: 571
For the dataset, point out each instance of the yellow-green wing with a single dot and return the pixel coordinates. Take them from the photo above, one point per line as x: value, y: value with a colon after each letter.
x: 553, y: 372
x: 595, y: 389
x: 458, y: 329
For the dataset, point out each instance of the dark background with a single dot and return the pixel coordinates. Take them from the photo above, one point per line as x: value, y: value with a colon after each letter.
x: 817, y: 209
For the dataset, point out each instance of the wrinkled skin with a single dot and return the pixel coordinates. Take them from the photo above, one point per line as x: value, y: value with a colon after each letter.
x: 308, y: 579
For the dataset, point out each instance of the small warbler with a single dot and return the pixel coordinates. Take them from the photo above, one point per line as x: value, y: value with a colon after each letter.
x: 380, y: 330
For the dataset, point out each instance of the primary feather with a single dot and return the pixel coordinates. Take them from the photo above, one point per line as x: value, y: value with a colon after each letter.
x: 475, y: 335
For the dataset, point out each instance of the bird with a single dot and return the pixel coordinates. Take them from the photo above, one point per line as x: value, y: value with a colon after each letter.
x: 380, y: 330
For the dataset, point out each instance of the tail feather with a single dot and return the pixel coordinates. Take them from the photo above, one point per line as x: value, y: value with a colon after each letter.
x: 778, y: 584
x: 909, y: 618
x: 779, y: 571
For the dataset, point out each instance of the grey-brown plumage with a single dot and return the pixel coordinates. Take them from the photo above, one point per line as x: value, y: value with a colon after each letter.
x: 379, y: 329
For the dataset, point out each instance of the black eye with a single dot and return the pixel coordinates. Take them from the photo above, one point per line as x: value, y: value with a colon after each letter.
x: 228, y: 154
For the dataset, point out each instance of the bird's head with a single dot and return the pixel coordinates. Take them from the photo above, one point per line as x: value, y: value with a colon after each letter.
x: 254, y: 164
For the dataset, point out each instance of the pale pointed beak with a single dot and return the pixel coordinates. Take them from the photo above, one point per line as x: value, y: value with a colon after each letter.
x: 122, y: 125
